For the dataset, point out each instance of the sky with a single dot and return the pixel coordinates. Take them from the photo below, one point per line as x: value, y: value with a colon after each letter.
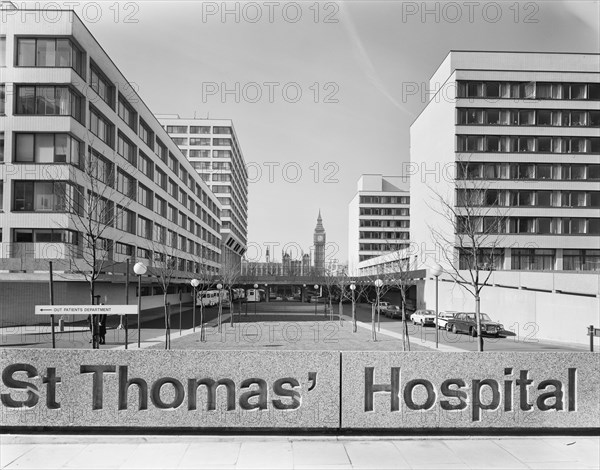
x: 319, y: 92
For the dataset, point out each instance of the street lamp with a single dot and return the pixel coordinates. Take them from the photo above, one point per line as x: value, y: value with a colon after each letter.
x: 316, y: 286
x: 436, y: 270
x: 378, y: 284
x: 139, y: 269
x: 353, y: 288
x: 219, y: 287
x: 195, y: 283
x: 255, y: 294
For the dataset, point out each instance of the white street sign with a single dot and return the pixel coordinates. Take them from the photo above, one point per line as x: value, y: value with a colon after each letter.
x: 86, y: 310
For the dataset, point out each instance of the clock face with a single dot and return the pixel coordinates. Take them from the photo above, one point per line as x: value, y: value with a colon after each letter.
x: 319, y: 238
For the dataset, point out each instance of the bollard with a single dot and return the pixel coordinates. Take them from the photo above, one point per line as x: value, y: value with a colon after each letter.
x: 61, y: 324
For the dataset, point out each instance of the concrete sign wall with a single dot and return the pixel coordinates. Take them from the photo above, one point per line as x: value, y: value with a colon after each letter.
x: 298, y: 389
x: 395, y: 390
x: 186, y: 389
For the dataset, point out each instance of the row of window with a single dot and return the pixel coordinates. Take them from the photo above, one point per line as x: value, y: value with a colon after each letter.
x: 217, y: 142
x: 529, y: 225
x: 384, y: 223
x: 532, y: 259
x: 528, y: 90
x: 383, y: 235
x: 384, y: 211
x: 527, y: 117
x: 39, y: 235
x: 198, y: 130
x: 532, y: 171
x: 381, y: 247
x: 527, y: 144
x: 47, y: 148
x: 521, y: 197
x: 384, y: 200
x: 50, y: 52
x: 49, y: 100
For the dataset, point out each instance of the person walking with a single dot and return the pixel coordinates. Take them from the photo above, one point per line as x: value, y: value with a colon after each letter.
x: 102, y: 327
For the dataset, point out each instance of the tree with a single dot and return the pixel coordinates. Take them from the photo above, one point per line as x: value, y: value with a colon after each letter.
x: 94, y: 209
x: 205, y: 274
x: 364, y: 289
x: 470, y: 249
x: 163, y: 270
x: 230, y: 272
x: 398, y: 277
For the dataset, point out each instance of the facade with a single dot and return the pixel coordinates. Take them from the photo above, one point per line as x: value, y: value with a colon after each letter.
x: 80, y: 147
x: 517, y: 139
x: 378, y: 218
x: 319, y: 240
x: 286, y: 267
x: 213, y: 149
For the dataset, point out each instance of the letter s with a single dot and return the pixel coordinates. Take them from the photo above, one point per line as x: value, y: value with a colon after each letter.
x: 458, y: 393
x: 10, y: 382
x: 285, y: 392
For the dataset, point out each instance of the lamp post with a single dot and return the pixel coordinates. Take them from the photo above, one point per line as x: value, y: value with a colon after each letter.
x: 139, y: 269
x: 255, y: 294
x: 316, y: 286
x: 195, y: 283
x: 219, y: 287
x: 378, y: 284
x: 353, y: 288
x: 436, y: 270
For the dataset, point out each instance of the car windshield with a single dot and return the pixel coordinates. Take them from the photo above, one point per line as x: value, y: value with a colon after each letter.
x: 484, y: 317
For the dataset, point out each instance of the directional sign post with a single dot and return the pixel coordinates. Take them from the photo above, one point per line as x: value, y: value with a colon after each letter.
x: 86, y: 310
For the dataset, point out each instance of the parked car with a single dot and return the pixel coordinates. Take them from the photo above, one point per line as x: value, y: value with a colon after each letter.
x: 382, y: 306
x: 394, y: 311
x: 443, y: 318
x: 389, y: 311
x: 466, y: 322
x: 423, y: 317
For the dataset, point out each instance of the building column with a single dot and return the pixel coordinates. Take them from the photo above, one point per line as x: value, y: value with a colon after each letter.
x: 558, y: 263
x: 507, y: 259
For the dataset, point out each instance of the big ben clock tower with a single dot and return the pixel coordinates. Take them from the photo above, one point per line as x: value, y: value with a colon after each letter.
x: 319, y: 242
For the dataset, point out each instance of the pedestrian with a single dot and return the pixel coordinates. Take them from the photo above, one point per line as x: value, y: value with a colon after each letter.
x: 102, y: 328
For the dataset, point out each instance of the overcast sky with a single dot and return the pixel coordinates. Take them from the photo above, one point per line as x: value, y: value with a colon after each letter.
x: 353, y: 63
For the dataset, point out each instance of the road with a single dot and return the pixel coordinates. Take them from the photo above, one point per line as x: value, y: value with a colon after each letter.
x: 520, y: 338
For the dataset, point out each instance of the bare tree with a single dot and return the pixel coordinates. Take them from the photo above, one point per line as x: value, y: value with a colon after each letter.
x: 206, y: 276
x: 95, y: 207
x: 230, y: 272
x: 164, y: 268
x: 470, y: 250
x: 365, y: 289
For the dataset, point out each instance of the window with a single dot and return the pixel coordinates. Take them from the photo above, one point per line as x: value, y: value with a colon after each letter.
x: 221, y: 130
x: 102, y: 86
x: 160, y: 206
x: 199, y: 141
x: 127, y: 113
x: 199, y: 129
x: 126, y: 149
x: 180, y: 140
x: 2, y: 53
x: 222, y: 142
x: 146, y: 165
x: 200, y: 154
x: 2, y: 99
x: 145, y: 196
x: 47, y: 148
x: 125, y: 220
x: 39, y: 196
x: 54, y: 52
x: 102, y: 128
x: 1, y: 147
x: 144, y: 228
x: 532, y: 259
x: 581, y: 260
x: 100, y: 168
x: 146, y: 134
x: 48, y: 100
x: 160, y: 234
x: 125, y: 184
x: 29, y: 235
x: 124, y: 249
x: 221, y: 154
x: 161, y: 150
x: 177, y: 129
x: 160, y: 178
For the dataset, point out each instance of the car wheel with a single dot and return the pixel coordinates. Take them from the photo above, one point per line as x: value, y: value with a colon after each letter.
x: 473, y: 332
x: 447, y: 327
x: 454, y: 329
x: 414, y: 322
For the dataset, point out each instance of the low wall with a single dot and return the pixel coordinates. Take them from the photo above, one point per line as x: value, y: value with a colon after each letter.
x: 531, y: 315
x: 309, y: 390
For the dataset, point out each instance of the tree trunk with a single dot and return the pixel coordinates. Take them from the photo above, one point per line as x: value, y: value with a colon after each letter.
x: 373, y: 333
x: 231, y: 308
x: 341, y: 310
x: 478, y: 318
x: 165, y: 306
x: 201, y: 321
x: 354, y: 325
